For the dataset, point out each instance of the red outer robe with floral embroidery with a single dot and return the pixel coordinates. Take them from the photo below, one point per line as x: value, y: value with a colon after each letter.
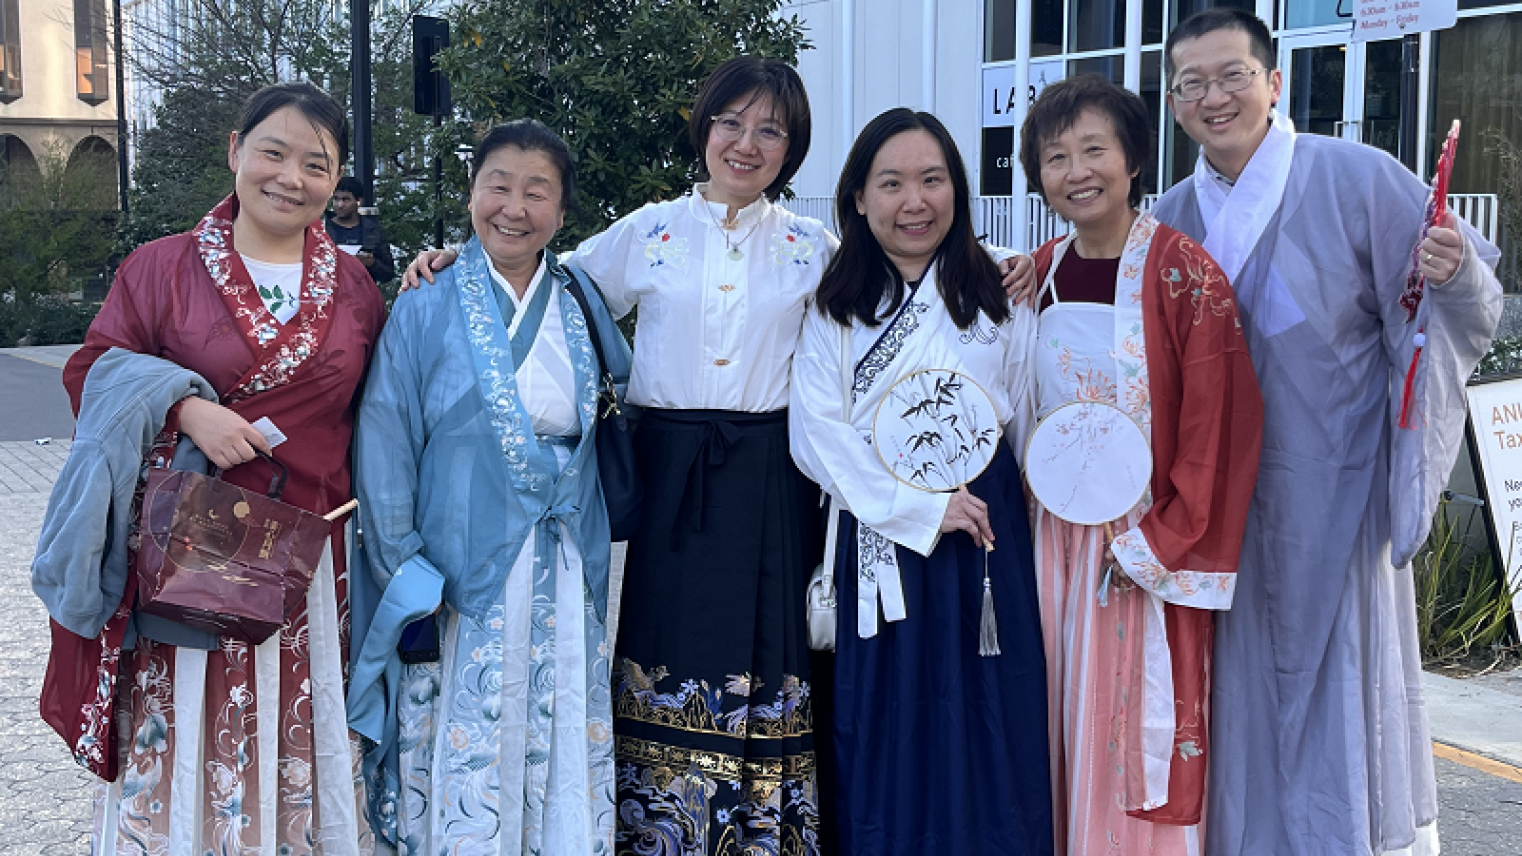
x: 188, y: 299
x: 1206, y: 433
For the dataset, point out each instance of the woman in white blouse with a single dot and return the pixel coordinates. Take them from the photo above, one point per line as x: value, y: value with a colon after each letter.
x: 712, y: 697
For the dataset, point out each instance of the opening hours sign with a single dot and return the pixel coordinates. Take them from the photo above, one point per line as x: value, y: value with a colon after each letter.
x: 1390, y: 19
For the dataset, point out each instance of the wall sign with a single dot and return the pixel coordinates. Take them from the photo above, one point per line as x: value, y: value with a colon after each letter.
x: 999, y: 100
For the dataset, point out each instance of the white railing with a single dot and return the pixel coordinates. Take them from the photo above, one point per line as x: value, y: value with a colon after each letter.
x: 994, y: 217
x: 821, y: 208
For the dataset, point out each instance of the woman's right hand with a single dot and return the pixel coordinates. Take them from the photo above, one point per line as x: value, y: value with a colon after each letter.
x: 424, y: 265
x: 226, y: 438
x: 968, y: 514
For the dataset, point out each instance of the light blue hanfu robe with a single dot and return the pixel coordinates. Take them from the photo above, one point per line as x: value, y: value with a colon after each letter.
x: 474, y: 495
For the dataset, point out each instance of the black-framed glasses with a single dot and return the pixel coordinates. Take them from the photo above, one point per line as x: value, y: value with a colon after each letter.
x: 768, y: 135
x: 1196, y: 88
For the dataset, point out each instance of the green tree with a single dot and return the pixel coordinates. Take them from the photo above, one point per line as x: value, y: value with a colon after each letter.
x: 615, y: 79
x: 58, y: 225
x: 222, y: 53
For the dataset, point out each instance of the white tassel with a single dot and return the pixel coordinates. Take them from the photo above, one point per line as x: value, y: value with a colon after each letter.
x: 988, y: 626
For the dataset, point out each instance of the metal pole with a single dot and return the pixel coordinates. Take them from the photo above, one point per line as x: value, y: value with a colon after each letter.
x: 438, y: 186
x: 359, y: 59
x: 122, y: 176
x: 1410, y: 72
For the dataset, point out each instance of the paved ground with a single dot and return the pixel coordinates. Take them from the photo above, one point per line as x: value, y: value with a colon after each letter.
x: 45, y: 798
x: 34, y: 403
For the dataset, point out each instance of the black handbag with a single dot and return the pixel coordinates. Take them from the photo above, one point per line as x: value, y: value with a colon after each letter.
x: 622, y: 487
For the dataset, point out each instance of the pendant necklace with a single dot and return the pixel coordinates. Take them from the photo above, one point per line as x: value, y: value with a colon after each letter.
x: 728, y: 225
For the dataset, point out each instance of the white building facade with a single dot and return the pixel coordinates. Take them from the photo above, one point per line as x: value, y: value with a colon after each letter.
x: 968, y: 61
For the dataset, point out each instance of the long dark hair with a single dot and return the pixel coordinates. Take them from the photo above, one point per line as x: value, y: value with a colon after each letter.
x: 854, y: 283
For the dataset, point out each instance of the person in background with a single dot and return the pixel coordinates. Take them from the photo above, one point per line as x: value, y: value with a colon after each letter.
x: 358, y: 234
x: 1320, y: 734
x: 1135, y: 315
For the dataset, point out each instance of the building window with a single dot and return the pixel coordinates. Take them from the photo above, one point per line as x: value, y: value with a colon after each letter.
x: 92, y: 81
x: 1046, y: 27
x: 10, y: 50
x: 1477, y: 76
x: 1096, y: 25
x: 998, y: 30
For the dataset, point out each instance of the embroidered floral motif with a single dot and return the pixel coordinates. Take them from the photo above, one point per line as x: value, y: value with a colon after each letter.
x: 979, y: 333
x: 699, y: 706
x: 796, y: 246
x: 886, y: 349
x: 663, y: 248
x: 682, y: 802
x: 494, y: 367
x: 873, y: 549
x: 578, y: 341
x: 319, y: 281
x: 1203, y: 281
x: 1199, y: 589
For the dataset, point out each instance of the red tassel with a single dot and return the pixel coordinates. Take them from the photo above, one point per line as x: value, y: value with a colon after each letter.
x: 1407, y: 417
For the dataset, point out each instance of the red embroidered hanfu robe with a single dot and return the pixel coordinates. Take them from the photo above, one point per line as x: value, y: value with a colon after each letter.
x: 1128, y: 660
x: 244, y: 749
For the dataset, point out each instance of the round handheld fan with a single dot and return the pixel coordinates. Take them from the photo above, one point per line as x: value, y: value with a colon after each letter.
x: 1088, y: 462
x: 936, y: 430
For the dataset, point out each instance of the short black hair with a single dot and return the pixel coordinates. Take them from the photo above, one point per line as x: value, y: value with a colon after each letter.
x: 860, y: 271
x: 317, y: 106
x: 1221, y: 18
x: 754, y: 76
x: 352, y: 186
x: 530, y: 135
x: 1057, y: 109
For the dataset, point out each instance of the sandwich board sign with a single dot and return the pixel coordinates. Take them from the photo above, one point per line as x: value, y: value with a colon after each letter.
x: 1495, y: 417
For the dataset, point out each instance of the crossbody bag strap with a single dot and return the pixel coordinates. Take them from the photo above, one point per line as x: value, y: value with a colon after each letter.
x: 832, y: 527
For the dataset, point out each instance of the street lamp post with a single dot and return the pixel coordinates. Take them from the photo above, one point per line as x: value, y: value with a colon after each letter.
x: 359, y: 59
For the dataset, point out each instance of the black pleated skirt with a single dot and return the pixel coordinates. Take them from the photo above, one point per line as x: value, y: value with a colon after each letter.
x: 714, y: 711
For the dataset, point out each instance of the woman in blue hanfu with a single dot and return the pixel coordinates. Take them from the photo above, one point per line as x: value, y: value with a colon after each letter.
x: 940, y: 680
x: 480, y: 500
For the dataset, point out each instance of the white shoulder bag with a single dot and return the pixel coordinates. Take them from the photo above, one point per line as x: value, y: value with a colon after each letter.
x: 821, y: 603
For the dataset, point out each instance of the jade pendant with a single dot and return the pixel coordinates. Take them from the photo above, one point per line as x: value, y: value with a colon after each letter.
x: 735, y: 254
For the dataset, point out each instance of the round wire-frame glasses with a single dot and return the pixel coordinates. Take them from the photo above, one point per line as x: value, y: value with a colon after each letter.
x: 730, y: 129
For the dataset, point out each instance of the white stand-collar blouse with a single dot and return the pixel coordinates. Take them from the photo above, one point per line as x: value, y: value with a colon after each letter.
x: 719, y: 309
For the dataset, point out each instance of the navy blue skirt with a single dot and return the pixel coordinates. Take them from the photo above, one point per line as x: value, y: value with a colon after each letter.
x: 938, y: 749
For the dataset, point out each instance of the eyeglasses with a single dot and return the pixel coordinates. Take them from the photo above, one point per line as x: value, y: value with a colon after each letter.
x: 1195, y: 89
x: 730, y: 129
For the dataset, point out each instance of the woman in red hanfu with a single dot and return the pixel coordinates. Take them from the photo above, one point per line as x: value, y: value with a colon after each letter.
x: 1134, y: 314
x: 245, y: 748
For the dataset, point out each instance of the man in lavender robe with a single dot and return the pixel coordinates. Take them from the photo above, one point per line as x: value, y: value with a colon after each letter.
x: 1320, y: 736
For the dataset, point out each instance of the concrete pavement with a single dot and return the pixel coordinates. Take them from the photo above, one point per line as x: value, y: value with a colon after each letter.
x: 32, y: 401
